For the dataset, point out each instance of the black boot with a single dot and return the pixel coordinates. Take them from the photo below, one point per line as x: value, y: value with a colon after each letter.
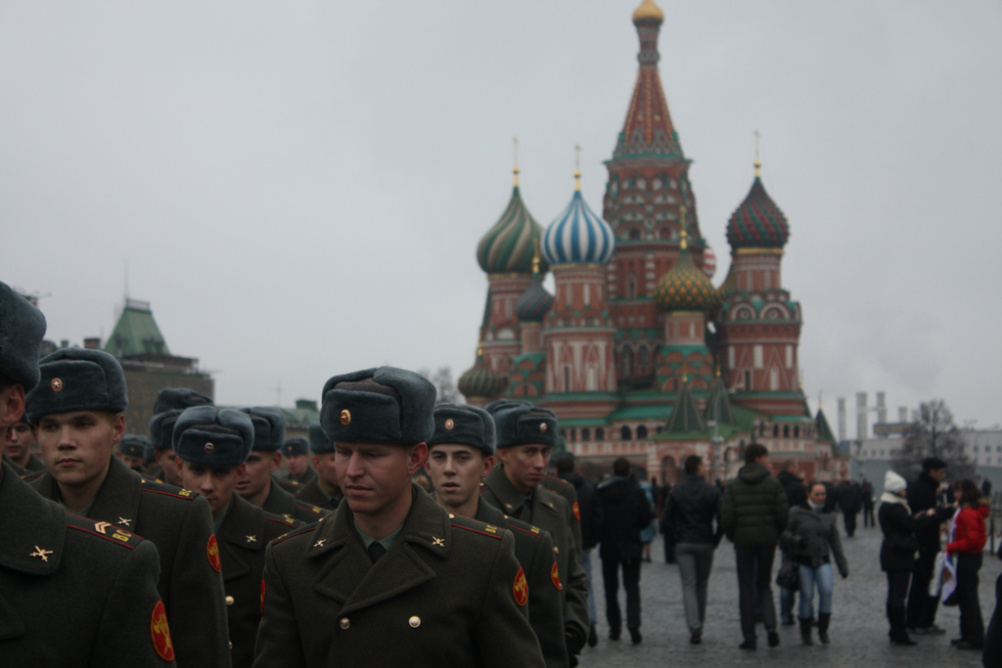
x: 824, y: 619
x: 805, y: 630
x: 899, y: 632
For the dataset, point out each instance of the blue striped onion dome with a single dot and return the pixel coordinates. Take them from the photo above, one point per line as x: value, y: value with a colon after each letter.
x: 578, y: 236
x: 685, y: 287
x: 508, y: 247
x: 534, y: 303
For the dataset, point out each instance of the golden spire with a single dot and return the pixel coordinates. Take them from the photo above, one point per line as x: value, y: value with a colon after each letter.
x: 758, y: 162
x: 685, y: 235
x: 577, y: 167
x: 480, y: 350
x: 648, y: 11
x: 515, y: 170
x: 535, y: 258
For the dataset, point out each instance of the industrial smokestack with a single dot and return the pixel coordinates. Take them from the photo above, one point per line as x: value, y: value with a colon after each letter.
x: 902, y: 414
x: 881, y: 409
x: 841, y: 419
x: 861, y: 421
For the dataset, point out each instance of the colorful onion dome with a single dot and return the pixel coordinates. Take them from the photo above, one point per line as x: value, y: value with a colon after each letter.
x: 508, y: 247
x: 578, y: 236
x: 758, y: 222
x: 684, y: 287
x: 648, y: 12
x: 535, y: 302
x: 729, y: 285
x: 481, y: 381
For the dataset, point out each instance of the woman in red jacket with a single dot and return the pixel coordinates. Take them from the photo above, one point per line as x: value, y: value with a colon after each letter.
x: 967, y: 541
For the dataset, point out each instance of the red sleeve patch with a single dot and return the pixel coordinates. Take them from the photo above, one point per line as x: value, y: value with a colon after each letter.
x: 160, y: 633
x: 555, y: 576
x: 577, y: 511
x: 262, y: 596
x: 212, y: 552
x: 520, y: 588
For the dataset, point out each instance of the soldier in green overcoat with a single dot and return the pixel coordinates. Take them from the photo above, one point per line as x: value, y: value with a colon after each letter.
x: 391, y: 579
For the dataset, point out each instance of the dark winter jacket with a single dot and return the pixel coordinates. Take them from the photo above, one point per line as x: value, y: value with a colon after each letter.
x: 787, y: 480
x: 625, y: 511
x: 754, y: 509
x: 923, y: 494
x: 591, y: 511
x: 690, y: 511
x: 897, y: 552
x: 849, y: 498
x: 815, y: 536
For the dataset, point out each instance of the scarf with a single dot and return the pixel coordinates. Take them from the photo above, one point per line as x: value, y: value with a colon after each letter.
x: 888, y: 497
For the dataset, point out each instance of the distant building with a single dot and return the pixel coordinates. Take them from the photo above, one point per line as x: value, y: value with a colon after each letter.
x: 637, y: 352
x: 872, y: 457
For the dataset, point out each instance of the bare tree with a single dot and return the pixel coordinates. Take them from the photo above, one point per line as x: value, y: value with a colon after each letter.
x: 933, y: 434
x: 444, y: 385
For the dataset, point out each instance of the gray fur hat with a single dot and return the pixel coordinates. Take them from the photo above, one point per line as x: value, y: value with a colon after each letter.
x: 520, y: 423
x: 22, y: 327
x: 162, y: 429
x: 295, y: 446
x: 78, y: 379
x: 179, y: 398
x: 319, y: 443
x: 383, y: 405
x: 217, y: 438
x: 136, y: 445
x: 464, y: 425
x: 269, y: 427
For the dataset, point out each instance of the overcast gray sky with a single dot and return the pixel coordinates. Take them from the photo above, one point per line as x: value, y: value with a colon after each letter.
x: 299, y: 188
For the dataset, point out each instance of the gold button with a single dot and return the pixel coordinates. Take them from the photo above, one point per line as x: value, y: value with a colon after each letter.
x: 346, y: 417
x: 229, y: 600
x: 414, y: 621
x: 344, y: 623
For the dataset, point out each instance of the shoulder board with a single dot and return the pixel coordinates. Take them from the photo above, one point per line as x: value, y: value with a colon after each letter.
x: 476, y: 526
x: 306, y: 529
x: 560, y: 481
x: 278, y: 519
x: 483, y: 488
x: 105, y: 530
x: 313, y: 510
x: 32, y: 475
x: 167, y: 490
x: 529, y: 529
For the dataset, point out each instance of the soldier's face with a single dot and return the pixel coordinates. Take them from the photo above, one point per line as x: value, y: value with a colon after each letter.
x: 326, y: 470
x: 525, y: 465
x: 374, y: 478
x: 456, y: 472
x: 257, y: 472
x: 296, y: 464
x: 18, y: 442
x: 77, y: 446
x: 214, y: 485
x: 167, y: 459
x: 131, y: 461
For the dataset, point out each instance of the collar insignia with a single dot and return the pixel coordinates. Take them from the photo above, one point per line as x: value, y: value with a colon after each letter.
x: 125, y: 521
x: 438, y: 542
x: 320, y: 543
x: 41, y: 553
x: 251, y: 539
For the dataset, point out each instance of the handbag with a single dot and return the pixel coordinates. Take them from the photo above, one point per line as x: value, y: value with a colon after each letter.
x: 788, y: 576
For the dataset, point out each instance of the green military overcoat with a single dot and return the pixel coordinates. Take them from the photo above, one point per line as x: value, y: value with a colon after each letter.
x: 448, y: 593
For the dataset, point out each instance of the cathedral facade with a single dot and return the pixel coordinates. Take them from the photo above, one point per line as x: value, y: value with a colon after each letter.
x: 636, y: 351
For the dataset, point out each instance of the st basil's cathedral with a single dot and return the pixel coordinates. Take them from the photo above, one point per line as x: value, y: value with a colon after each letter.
x: 637, y: 352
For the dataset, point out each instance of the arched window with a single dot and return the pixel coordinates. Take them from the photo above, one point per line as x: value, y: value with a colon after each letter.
x: 748, y: 380
x: 634, y: 235
x: 642, y: 431
x: 796, y: 432
x: 775, y: 431
x: 625, y: 434
x: 626, y: 357
x: 585, y: 435
x: 599, y: 434
x: 572, y: 435
x: 643, y: 359
x: 786, y: 431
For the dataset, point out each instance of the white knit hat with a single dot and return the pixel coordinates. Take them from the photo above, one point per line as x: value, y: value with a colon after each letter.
x: 893, y: 482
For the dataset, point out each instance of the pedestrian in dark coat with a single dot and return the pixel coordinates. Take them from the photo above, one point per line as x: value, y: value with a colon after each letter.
x: 753, y: 513
x: 591, y: 519
x: 924, y: 494
x: 849, y: 502
x: 897, y: 551
x: 625, y: 512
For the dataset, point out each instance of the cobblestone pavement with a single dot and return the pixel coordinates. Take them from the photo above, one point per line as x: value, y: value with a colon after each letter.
x: 858, y: 628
